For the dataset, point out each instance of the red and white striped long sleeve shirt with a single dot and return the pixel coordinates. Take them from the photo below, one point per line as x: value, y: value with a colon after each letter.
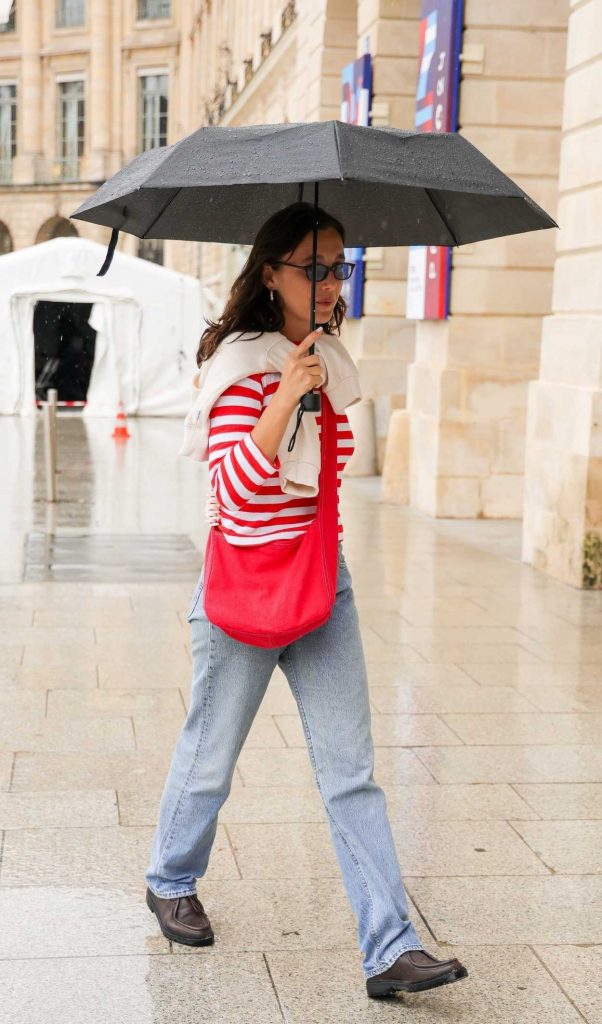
x: 252, y: 507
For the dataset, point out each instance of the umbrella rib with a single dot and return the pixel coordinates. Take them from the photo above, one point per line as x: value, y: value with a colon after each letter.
x: 336, y: 140
x: 161, y: 212
x: 440, y: 214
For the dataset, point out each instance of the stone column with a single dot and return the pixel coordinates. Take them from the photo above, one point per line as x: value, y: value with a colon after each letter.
x: 467, y: 389
x: 28, y: 164
x: 99, y: 91
x: 383, y: 340
x: 326, y: 42
x: 562, y: 528
x: 117, y: 78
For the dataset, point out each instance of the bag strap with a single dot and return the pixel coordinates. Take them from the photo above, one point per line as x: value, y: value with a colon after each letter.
x: 327, y: 486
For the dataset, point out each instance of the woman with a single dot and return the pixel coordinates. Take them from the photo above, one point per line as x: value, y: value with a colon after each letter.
x: 325, y: 668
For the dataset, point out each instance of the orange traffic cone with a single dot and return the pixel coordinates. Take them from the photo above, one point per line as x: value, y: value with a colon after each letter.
x: 121, y: 432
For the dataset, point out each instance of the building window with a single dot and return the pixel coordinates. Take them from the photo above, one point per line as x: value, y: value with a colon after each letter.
x: 70, y: 12
x: 153, y: 111
x: 8, y: 129
x: 9, y: 24
x: 151, y: 249
x: 153, y: 9
x: 70, y: 145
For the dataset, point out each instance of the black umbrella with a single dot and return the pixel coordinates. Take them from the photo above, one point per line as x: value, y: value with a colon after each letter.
x: 388, y: 186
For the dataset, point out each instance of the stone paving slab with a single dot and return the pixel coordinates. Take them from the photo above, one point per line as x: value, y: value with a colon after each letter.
x: 565, y: 653
x: 557, y: 909
x: 7, y: 759
x: 247, y: 916
x: 295, y: 850
x: 504, y: 984
x: 161, y: 703
x: 579, y: 969
x: 40, y: 676
x: 517, y: 763
x: 138, y: 989
x: 564, y: 800
x: 566, y: 847
x: 288, y: 914
x: 483, y: 802
x: 502, y: 653
x: 57, y: 636
x: 88, y: 611
x: 68, y: 735
x: 418, y: 673
x: 292, y: 767
x: 549, y: 729
x: 550, y: 676
x: 36, y: 811
x: 64, y: 770
x: 10, y: 656
x: 11, y: 616
x: 411, y: 804
x: 443, y: 697
x: 39, y: 856
x: 388, y: 730
x: 63, y: 659
x: 27, y: 704
x: 153, y: 733
x: 244, y: 804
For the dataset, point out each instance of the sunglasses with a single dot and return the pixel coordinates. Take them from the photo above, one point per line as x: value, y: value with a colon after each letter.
x: 342, y: 271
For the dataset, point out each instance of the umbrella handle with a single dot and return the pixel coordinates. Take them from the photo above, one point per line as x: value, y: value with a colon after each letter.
x: 312, y: 401
x: 110, y: 253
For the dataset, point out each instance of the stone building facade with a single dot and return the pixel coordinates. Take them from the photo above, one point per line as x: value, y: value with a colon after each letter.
x: 492, y: 413
x: 96, y: 82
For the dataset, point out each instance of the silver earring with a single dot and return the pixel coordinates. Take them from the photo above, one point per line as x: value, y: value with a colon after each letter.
x: 271, y: 294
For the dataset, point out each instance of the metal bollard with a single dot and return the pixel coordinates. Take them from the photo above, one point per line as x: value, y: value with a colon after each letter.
x: 49, y: 413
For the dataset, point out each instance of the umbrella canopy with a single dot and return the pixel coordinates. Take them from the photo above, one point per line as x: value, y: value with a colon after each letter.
x: 387, y: 186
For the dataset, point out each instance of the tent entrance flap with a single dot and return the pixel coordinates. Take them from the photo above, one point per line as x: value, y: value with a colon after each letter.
x: 64, y: 344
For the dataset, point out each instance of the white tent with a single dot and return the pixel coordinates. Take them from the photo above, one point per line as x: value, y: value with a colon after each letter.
x: 5, y: 6
x: 148, y: 322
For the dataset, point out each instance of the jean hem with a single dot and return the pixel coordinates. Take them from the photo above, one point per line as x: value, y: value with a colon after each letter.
x: 391, y: 961
x: 172, y: 895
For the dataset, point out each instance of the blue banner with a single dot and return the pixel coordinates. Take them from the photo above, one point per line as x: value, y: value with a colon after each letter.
x: 355, y: 109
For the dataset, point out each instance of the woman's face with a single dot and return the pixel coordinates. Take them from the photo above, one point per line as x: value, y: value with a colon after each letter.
x: 294, y: 288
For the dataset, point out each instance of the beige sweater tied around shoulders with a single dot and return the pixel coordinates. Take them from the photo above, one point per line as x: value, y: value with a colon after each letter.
x: 239, y: 356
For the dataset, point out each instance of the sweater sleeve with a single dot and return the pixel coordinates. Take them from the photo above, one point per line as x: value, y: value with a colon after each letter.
x: 237, y: 465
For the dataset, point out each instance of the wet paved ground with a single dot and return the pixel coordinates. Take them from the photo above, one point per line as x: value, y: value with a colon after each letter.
x: 486, y: 693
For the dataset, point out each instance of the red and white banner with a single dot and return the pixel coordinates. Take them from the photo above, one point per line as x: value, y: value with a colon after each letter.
x: 436, y: 111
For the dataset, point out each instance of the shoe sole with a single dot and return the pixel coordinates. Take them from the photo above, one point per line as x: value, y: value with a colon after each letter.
x: 379, y: 989
x: 178, y: 938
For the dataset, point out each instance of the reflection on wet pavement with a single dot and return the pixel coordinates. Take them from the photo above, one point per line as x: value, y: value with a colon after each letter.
x: 105, y: 558
x: 138, y: 489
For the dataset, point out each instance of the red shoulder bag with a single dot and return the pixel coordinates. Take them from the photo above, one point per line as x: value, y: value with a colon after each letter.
x: 270, y: 594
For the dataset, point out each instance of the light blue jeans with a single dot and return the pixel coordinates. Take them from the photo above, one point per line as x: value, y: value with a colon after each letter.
x: 326, y: 671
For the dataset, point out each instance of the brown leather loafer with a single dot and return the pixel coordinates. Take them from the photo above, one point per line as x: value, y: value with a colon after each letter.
x: 414, y: 971
x: 181, y: 919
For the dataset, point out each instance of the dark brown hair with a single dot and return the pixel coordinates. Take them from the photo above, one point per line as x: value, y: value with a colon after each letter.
x: 249, y: 307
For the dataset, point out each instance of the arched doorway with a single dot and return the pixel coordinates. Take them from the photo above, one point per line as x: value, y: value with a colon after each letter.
x: 56, y: 227
x: 6, y: 241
